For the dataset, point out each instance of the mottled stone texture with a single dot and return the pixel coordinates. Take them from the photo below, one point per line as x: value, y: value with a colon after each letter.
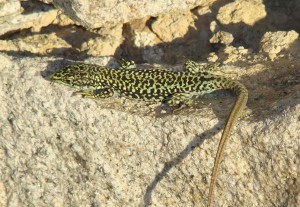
x: 9, y: 7
x: 274, y: 42
x: 62, y: 150
x: 95, y: 14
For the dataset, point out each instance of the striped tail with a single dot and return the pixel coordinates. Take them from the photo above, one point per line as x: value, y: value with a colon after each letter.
x: 242, y: 97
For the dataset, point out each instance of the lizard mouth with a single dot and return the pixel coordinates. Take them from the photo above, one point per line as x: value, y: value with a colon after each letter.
x: 53, y: 77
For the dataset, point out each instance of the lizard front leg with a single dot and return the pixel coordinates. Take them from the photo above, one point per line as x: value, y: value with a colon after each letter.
x: 96, y: 94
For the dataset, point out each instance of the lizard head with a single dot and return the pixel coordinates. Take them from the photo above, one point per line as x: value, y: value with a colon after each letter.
x: 76, y: 76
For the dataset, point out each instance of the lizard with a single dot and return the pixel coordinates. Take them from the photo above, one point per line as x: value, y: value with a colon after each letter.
x: 158, y: 84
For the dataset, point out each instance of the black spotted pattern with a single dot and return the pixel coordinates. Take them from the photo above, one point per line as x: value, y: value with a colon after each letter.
x: 148, y: 85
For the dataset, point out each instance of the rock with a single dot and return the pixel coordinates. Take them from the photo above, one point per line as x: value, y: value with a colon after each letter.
x: 96, y: 14
x: 107, y: 44
x: 35, y: 21
x: 248, y: 12
x: 142, y: 35
x: 62, y: 20
x: 38, y: 44
x: 47, y: 1
x: 231, y: 54
x: 63, y: 150
x: 35, y: 16
x: 174, y: 25
x: 8, y: 8
x: 141, y: 42
x: 222, y: 37
x: 5, y: 61
x: 3, y: 194
x: 168, y: 37
x: 274, y: 42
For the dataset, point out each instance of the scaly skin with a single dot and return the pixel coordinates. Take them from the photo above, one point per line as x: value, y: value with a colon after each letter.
x: 177, y: 88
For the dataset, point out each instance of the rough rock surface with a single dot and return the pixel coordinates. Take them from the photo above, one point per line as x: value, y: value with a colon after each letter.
x: 106, y: 44
x: 169, y: 27
x: 222, y: 37
x: 248, y: 12
x: 63, y: 150
x: 33, y: 16
x: 167, y: 38
x: 274, y: 42
x: 35, y: 21
x: 9, y: 7
x: 38, y: 44
x: 96, y: 14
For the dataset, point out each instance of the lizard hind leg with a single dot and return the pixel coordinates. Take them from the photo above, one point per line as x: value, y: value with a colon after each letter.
x: 195, y: 67
x: 180, y: 100
x: 127, y: 64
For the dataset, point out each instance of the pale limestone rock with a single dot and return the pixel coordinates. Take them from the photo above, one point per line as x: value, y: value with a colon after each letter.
x: 145, y: 38
x: 62, y: 20
x: 214, y: 27
x: 203, y: 9
x: 96, y: 14
x: 169, y: 27
x: 5, y: 61
x: 232, y: 54
x: 9, y: 7
x: 222, y: 37
x: 168, y: 37
x: 3, y: 194
x: 47, y: 1
x: 240, y: 11
x: 141, y: 34
x: 212, y: 57
x: 274, y: 42
x: 38, y: 43
x: 37, y: 16
x: 35, y: 21
x: 63, y: 150
x: 106, y: 44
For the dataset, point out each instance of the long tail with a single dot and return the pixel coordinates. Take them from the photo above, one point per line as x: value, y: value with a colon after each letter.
x: 242, y: 97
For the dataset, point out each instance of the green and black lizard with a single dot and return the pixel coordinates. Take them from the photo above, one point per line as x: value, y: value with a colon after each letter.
x: 157, y: 84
